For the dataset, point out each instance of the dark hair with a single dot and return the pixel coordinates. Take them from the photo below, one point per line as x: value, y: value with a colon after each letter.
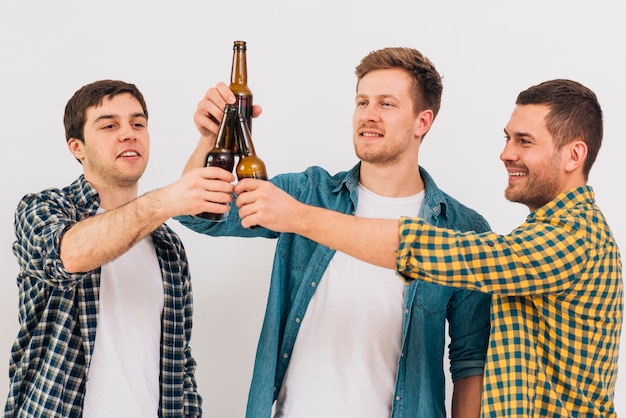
x: 426, y: 80
x: 574, y: 113
x: 92, y: 95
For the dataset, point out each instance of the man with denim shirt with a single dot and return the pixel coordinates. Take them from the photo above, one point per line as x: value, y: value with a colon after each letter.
x: 556, y: 280
x: 337, y: 340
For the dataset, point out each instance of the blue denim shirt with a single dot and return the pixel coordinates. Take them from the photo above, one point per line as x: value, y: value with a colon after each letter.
x: 299, y: 265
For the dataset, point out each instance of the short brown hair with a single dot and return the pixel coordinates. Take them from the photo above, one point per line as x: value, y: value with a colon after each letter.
x: 92, y: 95
x: 574, y: 113
x: 426, y: 80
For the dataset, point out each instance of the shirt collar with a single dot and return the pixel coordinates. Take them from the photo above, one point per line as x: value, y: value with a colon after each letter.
x: 566, y: 201
x: 434, y: 204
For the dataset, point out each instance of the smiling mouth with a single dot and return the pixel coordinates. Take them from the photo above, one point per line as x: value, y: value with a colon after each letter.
x: 370, y: 135
x: 129, y: 154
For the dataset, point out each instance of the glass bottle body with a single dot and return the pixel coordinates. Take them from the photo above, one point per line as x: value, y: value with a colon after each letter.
x: 249, y: 165
x: 223, y: 153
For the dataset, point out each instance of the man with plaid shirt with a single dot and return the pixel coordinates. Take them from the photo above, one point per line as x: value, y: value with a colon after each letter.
x: 556, y: 280
x: 105, y: 298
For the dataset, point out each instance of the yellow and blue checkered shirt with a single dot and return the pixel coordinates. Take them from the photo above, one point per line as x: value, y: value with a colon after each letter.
x: 557, y: 304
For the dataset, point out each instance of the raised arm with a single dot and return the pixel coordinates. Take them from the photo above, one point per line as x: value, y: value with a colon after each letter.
x: 207, y: 119
x: 98, y: 239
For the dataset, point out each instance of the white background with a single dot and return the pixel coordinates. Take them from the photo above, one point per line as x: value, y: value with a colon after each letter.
x: 301, y: 59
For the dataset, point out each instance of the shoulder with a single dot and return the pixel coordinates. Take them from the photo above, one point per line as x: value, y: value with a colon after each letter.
x: 314, y: 177
x: 448, y: 212
x: 166, y: 236
x: 464, y: 218
x: 73, y: 201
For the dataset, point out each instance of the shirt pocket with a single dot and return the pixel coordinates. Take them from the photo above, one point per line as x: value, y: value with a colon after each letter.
x: 433, y: 299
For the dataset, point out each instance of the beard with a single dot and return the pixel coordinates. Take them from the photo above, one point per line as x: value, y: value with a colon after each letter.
x: 541, y: 186
x: 381, y: 153
x: 114, y: 176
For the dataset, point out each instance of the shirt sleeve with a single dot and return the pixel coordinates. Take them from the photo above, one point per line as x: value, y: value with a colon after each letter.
x: 40, y: 222
x: 469, y: 340
x: 538, y: 257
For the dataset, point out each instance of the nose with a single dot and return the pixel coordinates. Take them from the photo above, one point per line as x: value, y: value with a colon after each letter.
x: 368, y: 113
x: 508, y: 153
x: 127, y: 133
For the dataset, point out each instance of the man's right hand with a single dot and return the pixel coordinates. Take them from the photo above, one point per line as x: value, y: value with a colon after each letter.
x: 210, y: 109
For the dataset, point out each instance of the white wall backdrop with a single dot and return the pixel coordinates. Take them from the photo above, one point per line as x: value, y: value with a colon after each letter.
x: 301, y: 59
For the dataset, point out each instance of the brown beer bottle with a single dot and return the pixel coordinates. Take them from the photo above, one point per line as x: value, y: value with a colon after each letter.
x: 239, y: 81
x: 249, y: 165
x: 223, y: 153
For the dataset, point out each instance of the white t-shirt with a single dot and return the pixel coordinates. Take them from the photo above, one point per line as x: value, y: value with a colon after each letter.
x: 345, y: 358
x: 123, y: 379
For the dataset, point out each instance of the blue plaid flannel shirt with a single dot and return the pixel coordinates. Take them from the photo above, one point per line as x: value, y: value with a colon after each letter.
x: 58, y: 312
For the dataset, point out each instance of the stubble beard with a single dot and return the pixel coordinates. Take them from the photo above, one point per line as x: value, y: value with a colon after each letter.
x: 539, y: 189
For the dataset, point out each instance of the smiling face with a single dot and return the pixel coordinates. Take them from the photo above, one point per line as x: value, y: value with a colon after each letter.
x: 115, y: 150
x: 386, y: 129
x: 536, y: 167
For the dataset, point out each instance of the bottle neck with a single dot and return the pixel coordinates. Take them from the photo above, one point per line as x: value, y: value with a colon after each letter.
x: 228, y: 126
x: 239, y: 71
x: 246, y: 147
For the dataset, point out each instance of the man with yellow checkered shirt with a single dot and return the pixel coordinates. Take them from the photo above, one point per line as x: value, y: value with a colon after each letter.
x: 556, y: 280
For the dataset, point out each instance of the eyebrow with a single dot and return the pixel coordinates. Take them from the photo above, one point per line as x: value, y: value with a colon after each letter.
x: 518, y: 134
x: 377, y: 96
x: 134, y: 115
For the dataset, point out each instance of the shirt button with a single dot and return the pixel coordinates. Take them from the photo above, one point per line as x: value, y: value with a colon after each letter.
x: 397, y: 398
x: 298, y: 320
x: 313, y: 284
x: 285, y: 355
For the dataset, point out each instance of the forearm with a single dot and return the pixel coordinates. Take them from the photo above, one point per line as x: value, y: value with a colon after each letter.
x: 466, y: 397
x: 99, y: 239
x: 372, y: 240
x: 521, y: 263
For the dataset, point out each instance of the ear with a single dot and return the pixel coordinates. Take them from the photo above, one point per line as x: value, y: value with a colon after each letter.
x: 76, y: 146
x: 423, y: 122
x: 575, y: 155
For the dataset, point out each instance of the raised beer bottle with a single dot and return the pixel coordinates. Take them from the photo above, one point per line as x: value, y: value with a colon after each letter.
x: 239, y: 81
x: 223, y: 153
x: 249, y: 165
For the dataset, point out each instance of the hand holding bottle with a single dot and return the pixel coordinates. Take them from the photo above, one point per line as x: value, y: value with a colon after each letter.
x: 210, y: 109
x: 261, y: 203
x: 222, y: 154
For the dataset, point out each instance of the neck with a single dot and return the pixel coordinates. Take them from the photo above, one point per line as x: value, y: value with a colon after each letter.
x: 114, y: 196
x: 391, y: 181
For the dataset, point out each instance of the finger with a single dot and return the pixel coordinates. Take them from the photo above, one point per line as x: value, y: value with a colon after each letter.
x: 217, y: 197
x: 226, y: 94
x: 208, y: 116
x: 216, y: 173
x: 247, y: 185
x: 256, y: 110
x: 245, y: 210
